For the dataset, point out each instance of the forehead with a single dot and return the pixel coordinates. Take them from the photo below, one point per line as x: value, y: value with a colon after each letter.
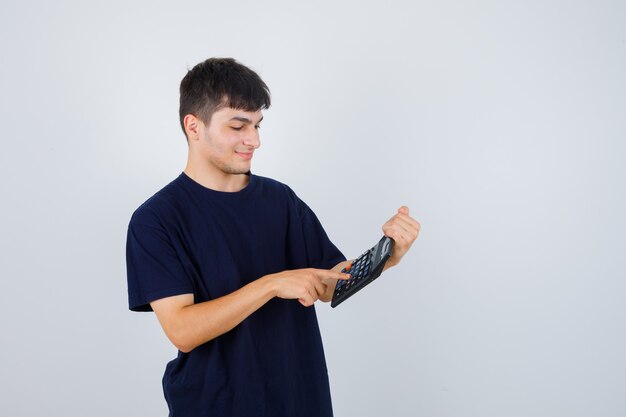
x: 227, y: 114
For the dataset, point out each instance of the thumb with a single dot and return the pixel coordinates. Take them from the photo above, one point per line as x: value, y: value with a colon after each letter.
x: 403, y: 210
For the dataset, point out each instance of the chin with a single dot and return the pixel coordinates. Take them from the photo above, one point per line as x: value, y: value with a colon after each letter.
x: 236, y: 170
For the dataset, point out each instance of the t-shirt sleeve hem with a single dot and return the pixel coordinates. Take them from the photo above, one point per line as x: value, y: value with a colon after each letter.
x: 332, y: 262
x: 143, y: 304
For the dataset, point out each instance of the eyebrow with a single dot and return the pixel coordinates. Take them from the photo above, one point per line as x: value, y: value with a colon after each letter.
x: 245, y: 119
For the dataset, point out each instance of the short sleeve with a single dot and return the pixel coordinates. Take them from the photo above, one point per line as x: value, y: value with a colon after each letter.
x: 321, y: 252
x: 153, y: 268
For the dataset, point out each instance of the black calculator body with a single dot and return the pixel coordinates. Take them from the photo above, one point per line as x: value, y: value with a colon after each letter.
x: 365, y: 269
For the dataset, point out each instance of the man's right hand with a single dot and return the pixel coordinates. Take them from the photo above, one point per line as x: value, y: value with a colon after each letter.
x: 305, y: 285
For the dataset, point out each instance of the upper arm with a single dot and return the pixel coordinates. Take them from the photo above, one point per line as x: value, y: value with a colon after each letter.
x: 168, y: 311
x: 155, y: 268
x: 320, y: 251
x: 170, y: 305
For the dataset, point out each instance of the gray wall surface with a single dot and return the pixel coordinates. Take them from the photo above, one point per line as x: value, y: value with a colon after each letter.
x: 501, y: 124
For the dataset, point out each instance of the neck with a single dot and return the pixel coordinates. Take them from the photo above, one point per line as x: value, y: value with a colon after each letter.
x: 218, y: 181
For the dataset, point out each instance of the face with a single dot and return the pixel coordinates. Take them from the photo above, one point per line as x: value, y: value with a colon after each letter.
x: 228, y: 143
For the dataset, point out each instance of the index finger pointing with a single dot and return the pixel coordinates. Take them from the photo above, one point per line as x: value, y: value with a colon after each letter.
x: 335, y: 275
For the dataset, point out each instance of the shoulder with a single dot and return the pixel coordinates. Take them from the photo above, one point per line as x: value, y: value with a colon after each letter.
x: 161, y: 205
x: 271, y: 183
x: 283, y: 193
x: 270, y: 186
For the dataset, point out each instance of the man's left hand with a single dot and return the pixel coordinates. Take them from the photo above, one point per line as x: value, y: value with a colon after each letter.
x: 403, y: 229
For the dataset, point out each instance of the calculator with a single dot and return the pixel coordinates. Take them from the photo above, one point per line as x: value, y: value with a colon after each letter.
x: 365, y: 269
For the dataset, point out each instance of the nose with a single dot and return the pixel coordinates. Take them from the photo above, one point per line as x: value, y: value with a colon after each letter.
x: 252, y: 139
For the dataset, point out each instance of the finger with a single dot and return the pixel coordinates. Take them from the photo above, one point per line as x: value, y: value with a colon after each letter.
x: 402, y: 238
x: 323, y: 274
x: 307, y: 297
x: 399, y: 227
x: 320, y: 287
x: 406, y: 223
x: 395, y: 234
x: 333, y: 281
x: 403, y: 210
x: 345, y: 276
x: 414, y: 223
x: 408, y: 227
x: 316, y: 287
x: 312, y: 289
x: 401, y: 222
x: 305, y: 302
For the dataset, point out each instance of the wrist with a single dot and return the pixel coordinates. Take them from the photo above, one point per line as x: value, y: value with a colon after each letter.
x: 390, y: 263
x: 268, y: 285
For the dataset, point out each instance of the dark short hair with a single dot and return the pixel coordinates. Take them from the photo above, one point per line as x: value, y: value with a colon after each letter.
x: 217, y: 83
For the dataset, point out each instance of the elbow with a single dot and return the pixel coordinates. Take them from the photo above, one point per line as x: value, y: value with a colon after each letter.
x: 182, y: 342
x: 186, y: 342
x: 185, y: 348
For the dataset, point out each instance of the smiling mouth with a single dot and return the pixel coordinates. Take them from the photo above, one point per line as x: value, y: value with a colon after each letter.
x: 245, y: 155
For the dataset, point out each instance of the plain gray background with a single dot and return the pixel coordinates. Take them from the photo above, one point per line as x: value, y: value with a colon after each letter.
x: 501, y: 124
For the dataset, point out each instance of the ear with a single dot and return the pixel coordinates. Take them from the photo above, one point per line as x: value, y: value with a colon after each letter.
x: 192, y: 126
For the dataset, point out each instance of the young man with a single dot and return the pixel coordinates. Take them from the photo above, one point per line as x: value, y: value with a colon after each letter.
x: 232, y: 263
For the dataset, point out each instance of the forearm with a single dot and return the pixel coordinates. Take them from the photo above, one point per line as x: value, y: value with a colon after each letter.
x: 195, y: 324
x: 189, y: 325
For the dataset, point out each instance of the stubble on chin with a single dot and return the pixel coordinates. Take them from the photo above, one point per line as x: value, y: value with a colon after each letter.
x: 231, y: 169
x: 235, y: 171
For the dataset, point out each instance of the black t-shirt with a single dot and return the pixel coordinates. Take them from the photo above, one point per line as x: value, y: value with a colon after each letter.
x: 188, y: 239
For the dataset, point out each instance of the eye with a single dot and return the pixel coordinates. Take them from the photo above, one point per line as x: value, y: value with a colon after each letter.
x: 236, y: 127
x: 257, y: 127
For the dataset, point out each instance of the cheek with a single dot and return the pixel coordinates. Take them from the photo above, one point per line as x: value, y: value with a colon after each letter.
x: 229, y: 138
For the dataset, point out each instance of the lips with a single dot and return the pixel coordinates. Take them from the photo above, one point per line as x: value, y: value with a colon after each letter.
x: 245, y: 155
